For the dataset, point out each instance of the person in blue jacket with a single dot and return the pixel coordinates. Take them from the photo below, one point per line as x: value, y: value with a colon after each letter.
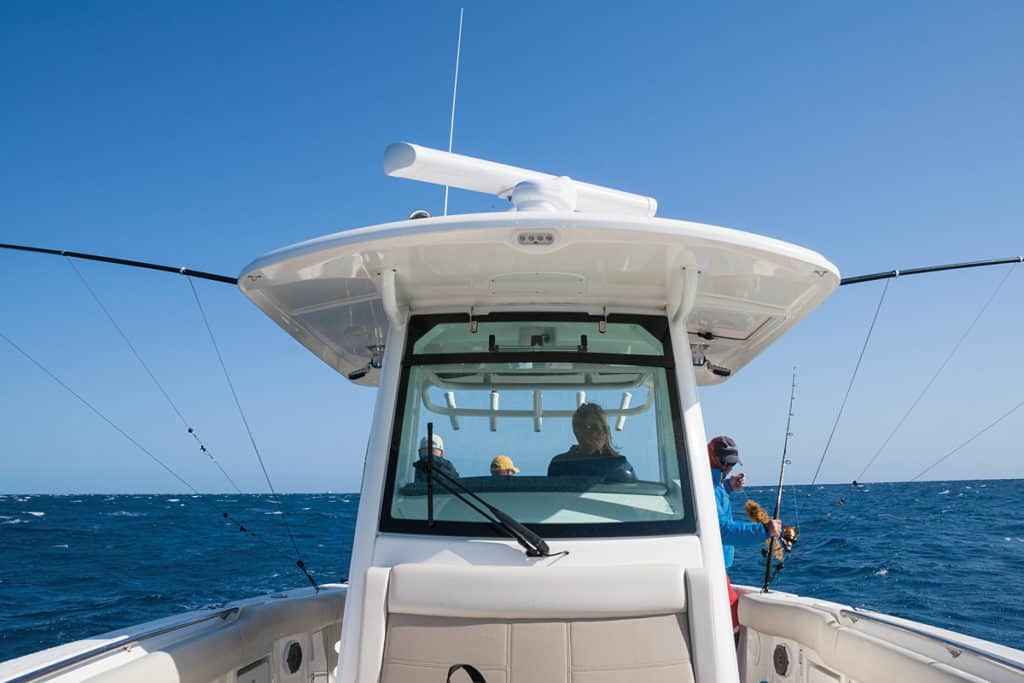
x: 438, y: 462
x: 724, y: 456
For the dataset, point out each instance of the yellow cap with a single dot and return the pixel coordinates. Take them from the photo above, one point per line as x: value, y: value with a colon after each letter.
x: 502, y: 463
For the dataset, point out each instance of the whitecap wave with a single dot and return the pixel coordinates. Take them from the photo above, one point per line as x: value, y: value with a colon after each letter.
x: 60, y: 545
x: 882, y: 572
x: 173, y: 500
x: 36, y: 514
x: 944, y: 492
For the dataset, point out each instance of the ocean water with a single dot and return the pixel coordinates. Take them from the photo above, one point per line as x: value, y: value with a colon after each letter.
x: 943, y: 553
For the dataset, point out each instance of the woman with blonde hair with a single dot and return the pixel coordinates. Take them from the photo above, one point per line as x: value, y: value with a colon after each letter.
x: 593, y: 456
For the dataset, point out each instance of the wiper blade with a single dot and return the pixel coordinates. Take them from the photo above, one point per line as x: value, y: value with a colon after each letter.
x: 532, y: 543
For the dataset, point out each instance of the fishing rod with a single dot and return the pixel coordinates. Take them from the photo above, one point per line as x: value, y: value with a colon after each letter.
x: 778, y: 495
x: 214, y: 277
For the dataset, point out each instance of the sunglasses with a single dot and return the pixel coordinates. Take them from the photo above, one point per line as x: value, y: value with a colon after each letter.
x: 591, y: 427
x: 729, y: 461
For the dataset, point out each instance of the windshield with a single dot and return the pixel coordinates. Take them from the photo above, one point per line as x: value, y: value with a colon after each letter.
x: 566, y: 428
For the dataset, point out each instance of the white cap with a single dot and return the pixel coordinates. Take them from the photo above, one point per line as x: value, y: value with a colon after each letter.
x: 438, y: 443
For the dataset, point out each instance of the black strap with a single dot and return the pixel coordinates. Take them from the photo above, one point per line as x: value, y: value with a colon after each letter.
x: 474, y: 674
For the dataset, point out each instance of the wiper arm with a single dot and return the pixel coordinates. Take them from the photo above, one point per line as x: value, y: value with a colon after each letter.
x: 534, y: 545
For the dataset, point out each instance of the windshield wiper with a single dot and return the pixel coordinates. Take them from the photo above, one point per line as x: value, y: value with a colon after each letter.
x: 532, y: 543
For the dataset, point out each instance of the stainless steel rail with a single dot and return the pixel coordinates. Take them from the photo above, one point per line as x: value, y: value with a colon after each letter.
x: 128, y: 642
x: 855, y: 614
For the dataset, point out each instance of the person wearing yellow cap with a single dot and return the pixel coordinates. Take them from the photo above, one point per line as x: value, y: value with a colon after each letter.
x: 502, y: 466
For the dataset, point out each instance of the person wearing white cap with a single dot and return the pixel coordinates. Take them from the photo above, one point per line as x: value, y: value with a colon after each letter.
x: 439, y: 462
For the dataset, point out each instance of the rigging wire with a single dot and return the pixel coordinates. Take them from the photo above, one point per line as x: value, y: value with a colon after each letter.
x: 96, y: 411
x: 942, y: 367
x: 191, y: 430
x: 252, y: 440
x: 948, y: 455
x: 849, y: 388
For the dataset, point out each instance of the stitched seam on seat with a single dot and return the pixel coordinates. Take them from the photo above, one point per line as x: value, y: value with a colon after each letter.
x: 568, y: 652
x: 444, y: 667
x: 429, y: 662
x: 508, y: 653
x: 635, y: 667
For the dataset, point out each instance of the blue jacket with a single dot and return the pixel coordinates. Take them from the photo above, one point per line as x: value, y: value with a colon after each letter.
x: 606, y: 467
x: 442, y: 465
x: 733, y: 532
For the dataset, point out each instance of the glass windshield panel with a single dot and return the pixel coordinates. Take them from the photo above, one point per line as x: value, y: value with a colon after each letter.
x: 456, y: 337
x: 550, y: 443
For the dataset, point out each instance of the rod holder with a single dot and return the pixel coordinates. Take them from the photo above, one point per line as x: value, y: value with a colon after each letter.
x: 627, y: 398
x: 449, y: 398
x: 538, y: 411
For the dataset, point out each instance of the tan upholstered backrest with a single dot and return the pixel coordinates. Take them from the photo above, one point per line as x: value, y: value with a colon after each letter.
x: 572, y: 625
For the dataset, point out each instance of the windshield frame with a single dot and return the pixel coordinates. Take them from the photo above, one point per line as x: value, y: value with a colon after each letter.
x: 657, y: 326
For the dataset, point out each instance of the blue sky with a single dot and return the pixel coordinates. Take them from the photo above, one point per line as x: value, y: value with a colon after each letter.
x: 208, y: 135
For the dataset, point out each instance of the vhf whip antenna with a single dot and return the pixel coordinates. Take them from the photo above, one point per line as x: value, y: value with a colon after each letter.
x: 455, y: 91
x: 778, y: 494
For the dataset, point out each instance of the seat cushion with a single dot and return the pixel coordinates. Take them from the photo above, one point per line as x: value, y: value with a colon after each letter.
x: 421, y: 648
x: 557, y: 624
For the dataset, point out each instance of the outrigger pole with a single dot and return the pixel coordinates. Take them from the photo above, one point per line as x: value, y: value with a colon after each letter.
x: 125, y: 262
x: 857, y: 279
x: 778, y: 494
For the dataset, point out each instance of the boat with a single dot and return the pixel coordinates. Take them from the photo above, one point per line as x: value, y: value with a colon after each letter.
x: 518, y: 334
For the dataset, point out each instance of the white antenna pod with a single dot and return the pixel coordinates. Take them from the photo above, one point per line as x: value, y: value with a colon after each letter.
x: 536, y: 189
